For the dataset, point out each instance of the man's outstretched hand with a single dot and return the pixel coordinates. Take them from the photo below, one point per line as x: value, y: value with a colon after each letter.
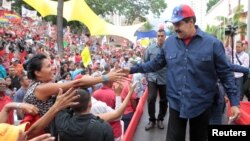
x: 124, y: 70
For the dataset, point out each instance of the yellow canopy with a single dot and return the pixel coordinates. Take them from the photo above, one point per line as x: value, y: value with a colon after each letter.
x: 78, y: 10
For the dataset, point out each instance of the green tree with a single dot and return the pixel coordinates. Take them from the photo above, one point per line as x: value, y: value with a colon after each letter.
x: 211, y: 3
x: 17, y: 6
x: 219, y: 31
x: 76, y: 26
x: 242, y: 26
x: 131, y: 9
x: 171, y: 29
x: 147, y: 26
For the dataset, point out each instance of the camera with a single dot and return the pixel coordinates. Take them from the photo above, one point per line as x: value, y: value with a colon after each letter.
x: 230, y: 30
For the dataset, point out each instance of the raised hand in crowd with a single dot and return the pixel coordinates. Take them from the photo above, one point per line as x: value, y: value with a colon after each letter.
x: 132, y: 87
x: 111, y: 116
x: 118, y: 87
x: 28, y: 108
x: 25, y: 107
x: 62, y: 101
x: 66, y: 100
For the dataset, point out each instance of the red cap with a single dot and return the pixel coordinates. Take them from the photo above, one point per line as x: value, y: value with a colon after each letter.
x: 181, y: 12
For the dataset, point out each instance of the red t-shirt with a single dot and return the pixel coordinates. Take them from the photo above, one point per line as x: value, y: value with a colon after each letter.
x: 187, y: 40
x: 3, y: 102
x: 11, y: 55
x: 22, y: 56
x: 78, y: 58
x: 107, y: 95
x: 124, y: 93
x: 2, y: 52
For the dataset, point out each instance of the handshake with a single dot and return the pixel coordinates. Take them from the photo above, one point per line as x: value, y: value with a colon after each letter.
x: 117, y: 75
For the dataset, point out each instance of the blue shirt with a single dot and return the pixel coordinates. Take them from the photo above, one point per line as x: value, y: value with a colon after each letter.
x: 239, y: 68
x: 19, y: 95
x: 159, y: 76
x: 192, y: 73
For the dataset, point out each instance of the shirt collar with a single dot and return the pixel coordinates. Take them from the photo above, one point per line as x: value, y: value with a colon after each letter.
x: 157, y: 45
x: 198, y: 32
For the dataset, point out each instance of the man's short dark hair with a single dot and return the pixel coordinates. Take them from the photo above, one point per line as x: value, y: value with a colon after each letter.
x: 239, y: 42
x: 84, y: 100
x: 87, y: 34
x: 107, y: 68
x: 161, y: 30
x: 22, y: 78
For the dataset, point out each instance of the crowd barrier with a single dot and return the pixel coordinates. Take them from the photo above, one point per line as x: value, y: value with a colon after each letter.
x: 128, y: 136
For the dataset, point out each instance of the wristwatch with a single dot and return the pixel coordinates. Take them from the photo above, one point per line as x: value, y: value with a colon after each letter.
x: 105, y: 78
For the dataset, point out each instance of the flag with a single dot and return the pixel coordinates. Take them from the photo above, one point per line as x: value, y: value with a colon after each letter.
x: 29, y: 13
x: 49, y: 30
x: 104, y: 40
x: 6, y: 4
x: 65, y: 43
x: 145, y: 42
x: 11, y: 16
x: 86, y: 57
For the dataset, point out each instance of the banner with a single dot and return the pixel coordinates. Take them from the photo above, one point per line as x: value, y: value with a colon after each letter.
x: 104, y: 40
x: 149, y: 34
x: 6, y: 4
x: 29, y: 13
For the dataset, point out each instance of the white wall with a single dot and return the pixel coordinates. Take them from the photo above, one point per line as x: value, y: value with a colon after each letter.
x: 199, y: 7
x: 222, y: 9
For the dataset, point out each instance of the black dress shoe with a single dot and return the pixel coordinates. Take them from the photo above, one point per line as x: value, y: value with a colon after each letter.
x: 160, y: 124
x: 149, y: 126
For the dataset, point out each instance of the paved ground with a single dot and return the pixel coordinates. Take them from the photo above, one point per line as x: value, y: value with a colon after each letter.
x: 156, y: 134
x: 153, y: 134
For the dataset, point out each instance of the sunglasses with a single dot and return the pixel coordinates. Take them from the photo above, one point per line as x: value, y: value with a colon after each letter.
x: 160, y: 35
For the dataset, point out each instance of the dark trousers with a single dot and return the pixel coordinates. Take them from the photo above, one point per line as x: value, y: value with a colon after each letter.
x: 198, y: 126
x: 153, y: 88
x: 218, y: 106
x: 246, y: 88
x: 126, y: 119
x: 239, y: 85
x: 217, y: 113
